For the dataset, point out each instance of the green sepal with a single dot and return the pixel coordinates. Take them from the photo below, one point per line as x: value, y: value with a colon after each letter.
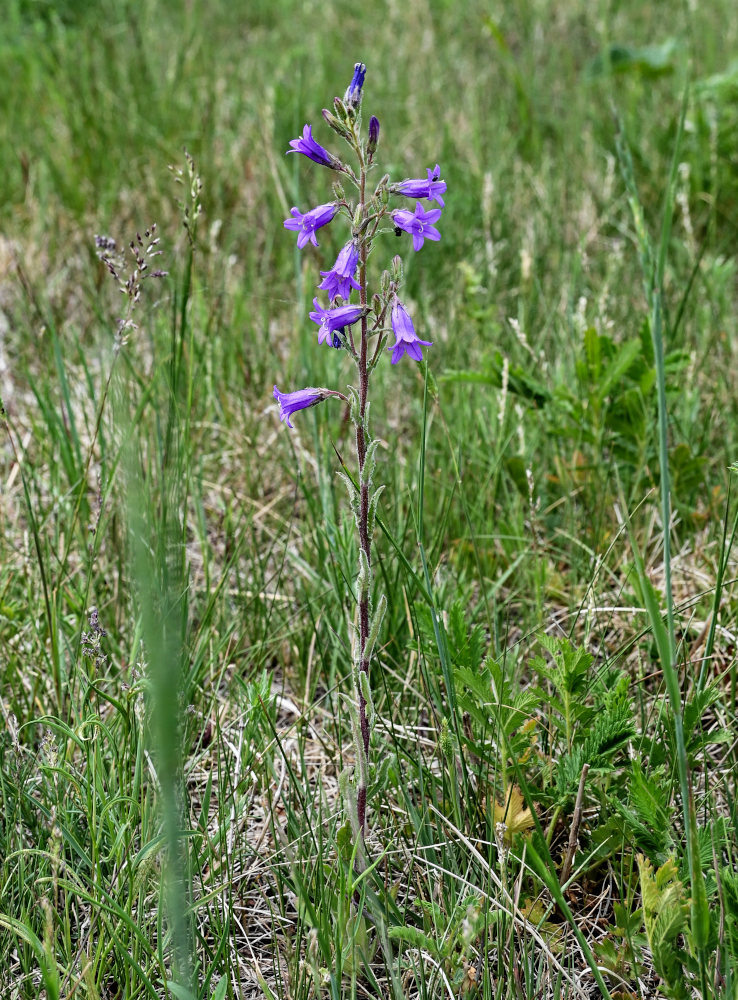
x: 341, y: 109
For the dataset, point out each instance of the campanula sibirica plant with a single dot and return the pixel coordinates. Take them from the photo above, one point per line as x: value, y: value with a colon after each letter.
x: 363, y: 329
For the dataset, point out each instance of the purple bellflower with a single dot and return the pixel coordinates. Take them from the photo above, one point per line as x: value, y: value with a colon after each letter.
x: 419, y: 225
x: 340, y: 279
x: 433, y: 188
x: 407, y: 341
x: 312, y: 149
x: 352, y: 97
x: 305, y: 225
x: 290, y: 402
x: 331, y: 320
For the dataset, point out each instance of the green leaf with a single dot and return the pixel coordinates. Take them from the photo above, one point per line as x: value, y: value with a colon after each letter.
x: 615, y: 371
x: 647, y: 816
x: 180, y: 992
x: 726, y: 81
x: 49, y: 972
x: 465, y: 644
x: 519, y: 382
x: 609, y: 734
x: 592, y: 348
x: 220, y: 990
x: 729, y: 883
x: 414, y: 937
x: 648, y: 60
x: 665, y: 913
x: 648, y: 596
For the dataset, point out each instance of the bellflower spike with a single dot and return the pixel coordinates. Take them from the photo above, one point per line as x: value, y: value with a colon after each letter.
x: 340, y: 279
x: 432, y: 189
x: 312, y: 149
x: 330, y: 320
x: 352, y: 97
x: 305, y: 225
x: 290, y: 402
x: 407, y: 341
x: 419, y: 225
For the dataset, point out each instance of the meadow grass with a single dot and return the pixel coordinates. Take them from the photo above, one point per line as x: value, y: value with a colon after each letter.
x: 552, y: 801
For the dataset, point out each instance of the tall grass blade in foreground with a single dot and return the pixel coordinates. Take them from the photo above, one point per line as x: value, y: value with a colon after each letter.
x: 653, y: 264
x: 157, y: 506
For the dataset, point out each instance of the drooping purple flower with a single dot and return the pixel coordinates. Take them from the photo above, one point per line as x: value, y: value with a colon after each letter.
x: 419, y: 225
x: 433, y: 188
x: 290, y: 402
x: 331, y: 320
x: 305, y: 225
x: 352, y: 97
x: 312, y: 149
x: 407, y: 341
x: 340, y: 279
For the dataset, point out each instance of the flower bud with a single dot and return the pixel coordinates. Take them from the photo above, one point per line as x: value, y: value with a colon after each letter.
x: 352, y: 97
x: 382, y: 191
x: 338, y: 191
x: 371, y: 147
x: 376, y: 304
x: 335, y: 124
x: 397, y: 269
x: 358, y: 215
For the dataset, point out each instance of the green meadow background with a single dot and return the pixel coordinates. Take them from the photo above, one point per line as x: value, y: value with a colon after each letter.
x: 552, y: 806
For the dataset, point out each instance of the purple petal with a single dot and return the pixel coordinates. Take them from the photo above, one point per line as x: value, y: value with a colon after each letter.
x: 431, y: 216
x: 403, y: 218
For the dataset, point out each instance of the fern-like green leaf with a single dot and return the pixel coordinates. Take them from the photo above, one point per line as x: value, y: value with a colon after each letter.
x: 609, y: 734
x: 647, y: 815
x: 665, y: 914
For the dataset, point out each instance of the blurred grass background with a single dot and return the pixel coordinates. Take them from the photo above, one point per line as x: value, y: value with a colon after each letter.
x: 540, y: 425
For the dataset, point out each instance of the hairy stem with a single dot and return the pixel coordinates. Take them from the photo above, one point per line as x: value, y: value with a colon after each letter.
x: 364, y: 540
